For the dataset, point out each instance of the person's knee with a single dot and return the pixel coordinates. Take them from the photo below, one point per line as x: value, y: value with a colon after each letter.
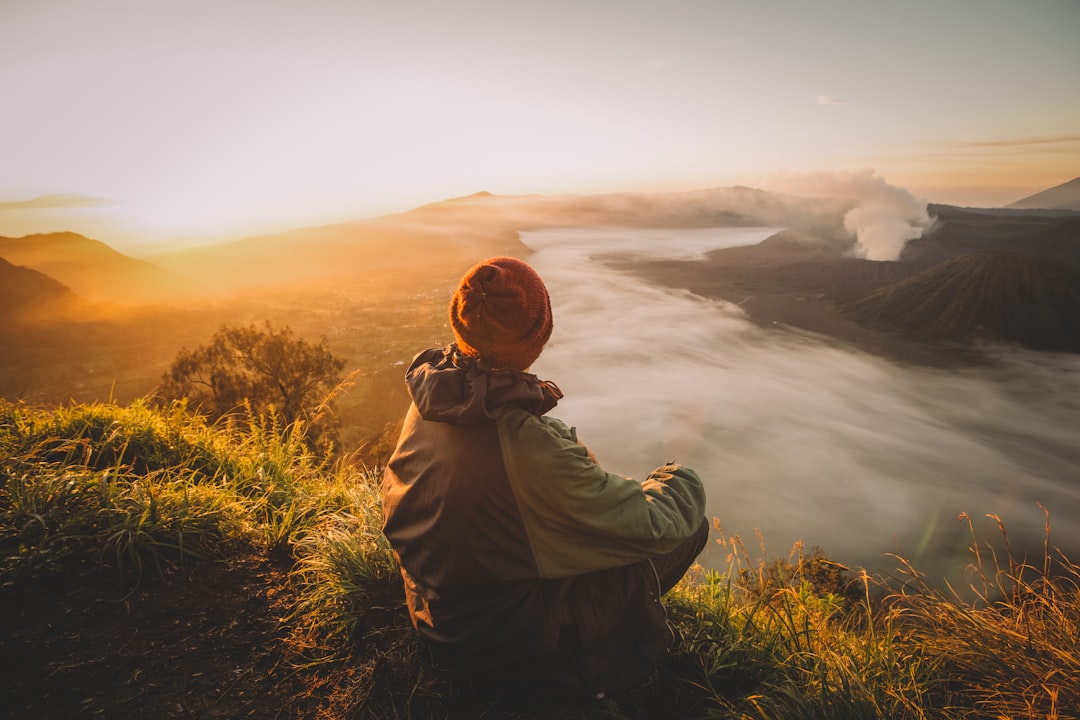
x: 673, y: 565
x: 701, y: 537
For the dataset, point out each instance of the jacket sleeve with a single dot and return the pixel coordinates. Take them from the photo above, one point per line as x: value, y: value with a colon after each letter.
x: 580, y: 518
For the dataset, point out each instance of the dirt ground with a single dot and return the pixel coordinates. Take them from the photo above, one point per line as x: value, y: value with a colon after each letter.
x: 207, y: 641
x: 204, y: 642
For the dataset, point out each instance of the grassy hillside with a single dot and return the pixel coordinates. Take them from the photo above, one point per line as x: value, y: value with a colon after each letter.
x: 154, y: 566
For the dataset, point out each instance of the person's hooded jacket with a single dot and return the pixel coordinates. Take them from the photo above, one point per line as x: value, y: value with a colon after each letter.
x: 524, y: 562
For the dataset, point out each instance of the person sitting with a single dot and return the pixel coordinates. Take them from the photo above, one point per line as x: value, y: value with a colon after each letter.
x: 525, y: 564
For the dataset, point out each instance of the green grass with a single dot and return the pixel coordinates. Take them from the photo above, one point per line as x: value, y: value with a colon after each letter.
x: 130, y: 490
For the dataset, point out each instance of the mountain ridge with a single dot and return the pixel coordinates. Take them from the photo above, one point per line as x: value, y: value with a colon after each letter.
x: 95, y: 270
x: 445, y: 237
x: 29, y: 295
x: 1065, y: 196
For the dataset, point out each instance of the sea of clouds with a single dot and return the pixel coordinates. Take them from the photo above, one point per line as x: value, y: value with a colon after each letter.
x: 796, y: 436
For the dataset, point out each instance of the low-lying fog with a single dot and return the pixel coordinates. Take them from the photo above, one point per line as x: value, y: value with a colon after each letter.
x: 794, y: 435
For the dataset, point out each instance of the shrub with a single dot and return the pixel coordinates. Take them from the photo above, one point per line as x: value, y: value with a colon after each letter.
x: 267, y: 372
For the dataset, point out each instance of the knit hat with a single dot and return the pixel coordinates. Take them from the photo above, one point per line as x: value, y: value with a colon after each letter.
x: 501, y: 313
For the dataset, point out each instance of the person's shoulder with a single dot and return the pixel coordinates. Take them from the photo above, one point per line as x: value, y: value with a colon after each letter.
x: 429, y: 356
x: 521, y: 422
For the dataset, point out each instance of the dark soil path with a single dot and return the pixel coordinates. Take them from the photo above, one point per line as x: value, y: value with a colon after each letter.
x: 203, y: 642
x: 209, y: 640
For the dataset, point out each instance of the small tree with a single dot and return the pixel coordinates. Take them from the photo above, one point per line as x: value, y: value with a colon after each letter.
x: 278, y: 375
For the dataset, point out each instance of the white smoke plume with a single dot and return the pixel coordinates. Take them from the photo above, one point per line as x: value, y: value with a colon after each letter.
x: 885, y: 218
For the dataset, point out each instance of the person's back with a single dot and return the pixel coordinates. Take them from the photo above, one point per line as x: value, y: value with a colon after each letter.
x: 525, y: 564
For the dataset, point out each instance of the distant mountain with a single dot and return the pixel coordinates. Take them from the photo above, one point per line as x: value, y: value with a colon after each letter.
x: 958, y: 231
x: 94, y: 270
x: 334, y: 255
x: 442, y: 239
x: 27, y: 294
x: 715, y: 207
x: 1065, y: 196
x: 1031, y: 301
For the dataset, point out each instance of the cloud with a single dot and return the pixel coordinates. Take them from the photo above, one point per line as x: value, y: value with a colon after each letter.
x: 829, y: 100
x: 65, y: 200
x: 791, y: 433
x: 1021, y: 142
x: 885, y: 217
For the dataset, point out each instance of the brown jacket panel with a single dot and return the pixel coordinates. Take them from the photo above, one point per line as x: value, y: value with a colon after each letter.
x: 450, y: 514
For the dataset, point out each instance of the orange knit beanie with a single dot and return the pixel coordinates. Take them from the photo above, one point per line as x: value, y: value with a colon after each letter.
x: 501, y: 313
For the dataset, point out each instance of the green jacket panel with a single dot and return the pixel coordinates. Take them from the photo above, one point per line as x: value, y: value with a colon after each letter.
x: 580, y: 518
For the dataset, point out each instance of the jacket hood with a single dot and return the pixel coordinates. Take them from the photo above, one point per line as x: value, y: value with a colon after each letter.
x: 449, y: 386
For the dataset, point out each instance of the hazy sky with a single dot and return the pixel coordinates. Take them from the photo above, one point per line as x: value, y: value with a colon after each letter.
x: 164, y: 118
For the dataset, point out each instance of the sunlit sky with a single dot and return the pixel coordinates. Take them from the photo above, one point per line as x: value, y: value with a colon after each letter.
x: 157, y: 119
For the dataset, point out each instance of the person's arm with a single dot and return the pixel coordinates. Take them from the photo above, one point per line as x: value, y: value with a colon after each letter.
x: 579, y: 517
